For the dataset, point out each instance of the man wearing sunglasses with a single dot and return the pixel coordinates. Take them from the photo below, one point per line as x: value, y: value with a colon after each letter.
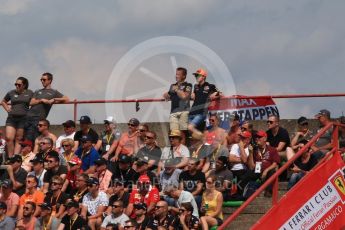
x: 116, y: 217
x: 88, y: 154
x: 277, y: 136
x: 53, y: 169
x: 56, y: 198
x: 162, y: 218
x: 41, y: 103
x: 72, y: 220
x: 44, y: 132
x: 85, y: 130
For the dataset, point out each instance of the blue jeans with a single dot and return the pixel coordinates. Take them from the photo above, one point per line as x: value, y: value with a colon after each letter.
x: 197, y: 119
x: 295, y: 177
x: 170, y: 201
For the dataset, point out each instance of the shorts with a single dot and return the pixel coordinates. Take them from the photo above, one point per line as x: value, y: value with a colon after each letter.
x: 179, y: 120
x: 197, y: 119
x: 219, y: 221
x: 16, y: 122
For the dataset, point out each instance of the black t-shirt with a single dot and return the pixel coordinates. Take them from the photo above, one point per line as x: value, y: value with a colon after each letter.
x: 201, y: 99
x: 177, y: 104
x: 154, y: 154
x: 20, y: 177
x: 308, y: 165
x: 78, y: 196
x: 170, y: 220
x: 50, y: 173
x: 124, y: 198
x: 282, y: 136
x: 193, y: 223
x: 58, y: 201
x: 19, y: 102
x: 127, y: 176
x: 143, y: 225
x: 42, y: 110
x: 79, y: 223
x: 78, y: 135
x: 190, y: 181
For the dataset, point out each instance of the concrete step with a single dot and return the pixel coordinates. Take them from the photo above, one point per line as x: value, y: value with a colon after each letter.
x: 244, y: 221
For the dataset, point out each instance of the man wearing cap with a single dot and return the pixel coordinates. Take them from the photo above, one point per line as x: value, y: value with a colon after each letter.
x: 324, y: 143
x: 27, y: 154
x: 46, y: 221
x: 72, y: 220
x: 143, y: 193
x: 176, y: 150
x: 103, y: 174
x: 88, y: 154
x: 262, y: 162
x: 69, y: 132
x: 128, y: 143
x: 124, y: 172
x: 16, y: 173
x: 95, y: 202
x: 169, y: 176
x: 53, y: 169
x: 117, y: 216
x: 6, y: 223
x: 43, y: 130
x: 277, y: 136
x: 108, y: 138
x: 179, y: 93
x: 85, y: 130
x: 140, y: 211
x: 203, y: 92
x: 38, y: 170
x: 41, y: 103
x: 9, y: 197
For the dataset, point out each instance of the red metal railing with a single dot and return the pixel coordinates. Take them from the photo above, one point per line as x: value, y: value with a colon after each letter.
x: 76, y: 102
x: 274, y: 178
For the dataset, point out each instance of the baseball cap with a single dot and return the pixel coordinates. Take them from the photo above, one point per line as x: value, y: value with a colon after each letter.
x: 140, y: 206
x: 86, y: 138
x: 93, y: 180
x: 75, y: 161
x: 37, y: 159
x: 69, y: 123
x: 123, y: 158
x: 26, y: 143
x: 201, y: 72
x: 261, y: 133
x: 144, y: 179
x: 85, y: 120
x: 72, y: 204
x: 6, y: 183
x: 323, y: 112
x: 3, y: 205
x: 142, y: 161
x: 175, y: 133
x: 302, y: 121
x: 246, y: 134
x: 134, y: 121
x: 101, y: 161
x: 109, y: 119
x: 45, y: 206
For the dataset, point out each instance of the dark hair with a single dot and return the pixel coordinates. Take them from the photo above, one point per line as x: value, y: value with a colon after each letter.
x: 275, y: 116
x: 145, y: 125
x: 84, y: 176
x: 46, y: 122
x: 53, y: 154
x: 132, y: 222
x: 120, y: 202
x: 188, y: 206
x: 35, y: 178
x: 24, y: 81
x: 49, y: 75
x: 223, y: 159
x: 184, y: 70
x: 153, y: 133
x: 33, y: 205
x: 113, y: 226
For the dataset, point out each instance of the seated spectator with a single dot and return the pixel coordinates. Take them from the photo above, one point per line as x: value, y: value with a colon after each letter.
x: 140, y: 211
x: 103, y: 174
x: 302, y: 165
x: 67, y: 146
x: 277, y: 136
x: 214, y: 134
x: 109, y: 138
x: 16, y: 173
x: 233, y: 136
x: 27, y: 154
x: 69, y: 132
x: 210, y: 152
x: 116, y: 217
x: 71, y: 178
x: 53, y: 169
x: 10, y: 198
x: 72, y: 220
x: 38, y: 170
x: 162, y: 218
x: 142, y: 169
x: 128, y: 143
x: 112, y: 227
x: 176, y: 150
x: 263, y: 162
x: 29, y: 220
x: 88, y: 154
x: 81, y: 190
x: 85, y: 130
x: 248, y: 126
x: 143, y: 128
x: 44, y: 132
x: 47, y: 221
x: 117, y: 192
x: 56, y: 198
x: 6, y: 223
x: 143, y: 193
x: 193, y: 180
x: 212, y: 202
x: 31, y: 194
x: 180, y: 197
x: 324, y: 143
x: 187, y: 220
x: 130, y: 225
x: 169, y: 176
x: 45, y: 146
x: 94, y: 204
x: 124, y: 172
x: 223, y: 177
x: 150, y: 150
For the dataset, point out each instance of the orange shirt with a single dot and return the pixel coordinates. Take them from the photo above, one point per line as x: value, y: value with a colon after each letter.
x: 37, y: 198
x: 129, y: 143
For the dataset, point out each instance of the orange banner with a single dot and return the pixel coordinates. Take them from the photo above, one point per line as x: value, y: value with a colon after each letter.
x: 317, y: 202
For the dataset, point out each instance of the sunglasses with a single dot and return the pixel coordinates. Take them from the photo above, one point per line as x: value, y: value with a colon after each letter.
x: 50, y: 161
x: 211, y: 120
x: 209, y: 182
x: 44, y: 79
x: 65, y: 146
x: 26, y: 208
x: 40, y: 125
x: 158, y: 207
x: 29, y: 182
x: 115, y: 206
x: 131, y: 125
x: 142, y: 130
x: 148, y: 137
x: 18, y: 85
x: 43, y: 143
x: 128, y: 226
x: 270, y: 122
x: 90, y: 185
x: 198, y: 75
x: 55, y: 183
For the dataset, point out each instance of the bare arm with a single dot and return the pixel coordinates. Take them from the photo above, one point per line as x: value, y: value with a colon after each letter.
x: 183, y: 163
x: 99, y: 213
x: 280, y: 146
x: 6, y: 106
x: 61, y: 226
x: 243, y: 154
x: 98, y: 145
x: 198, y: 190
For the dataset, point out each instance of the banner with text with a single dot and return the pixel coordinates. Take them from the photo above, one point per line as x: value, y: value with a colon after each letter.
x: 317, y: 202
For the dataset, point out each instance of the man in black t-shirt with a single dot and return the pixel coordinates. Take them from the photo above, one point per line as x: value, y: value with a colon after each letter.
x: 85, y: 130
x: 179, y: 93
x: 162, y: 218
x: 53, y: 169
x: 277, y: 136
x: 123, y: 171
x: 56, y: 198
x: 202, y: 94
x: 72, y: 220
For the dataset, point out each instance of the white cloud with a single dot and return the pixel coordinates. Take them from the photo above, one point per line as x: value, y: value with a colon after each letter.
x: 13, y: 7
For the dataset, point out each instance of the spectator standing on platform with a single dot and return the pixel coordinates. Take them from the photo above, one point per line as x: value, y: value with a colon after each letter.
x: 179, y: 93
x: 41, y: 103
x: 20, y: 100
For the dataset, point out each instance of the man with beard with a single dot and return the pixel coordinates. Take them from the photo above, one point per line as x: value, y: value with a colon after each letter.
x: 29, y: 220
x: 162, y: 218
x: 56, y: 198
x: 47, y: 221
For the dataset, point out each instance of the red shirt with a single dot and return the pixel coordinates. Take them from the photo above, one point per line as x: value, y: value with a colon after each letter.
x: 151, y: 197
x: 73, y: 177
x: 267, y: 158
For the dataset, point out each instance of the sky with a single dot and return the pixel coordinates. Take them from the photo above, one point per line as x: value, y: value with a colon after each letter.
x: 267, y: 47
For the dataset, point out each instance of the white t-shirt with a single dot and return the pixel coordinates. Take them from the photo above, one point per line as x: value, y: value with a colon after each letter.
x: 180, y: 151
x: 235, y: 150
x: 186, y: 197
x: 93, y: 204
x: 60, y: 139
x: 118, y: 220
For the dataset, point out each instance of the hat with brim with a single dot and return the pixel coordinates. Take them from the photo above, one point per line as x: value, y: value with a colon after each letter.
x: 175, y: 133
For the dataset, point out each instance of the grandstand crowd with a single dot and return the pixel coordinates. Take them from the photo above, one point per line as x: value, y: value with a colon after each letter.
x: 122, y: 179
